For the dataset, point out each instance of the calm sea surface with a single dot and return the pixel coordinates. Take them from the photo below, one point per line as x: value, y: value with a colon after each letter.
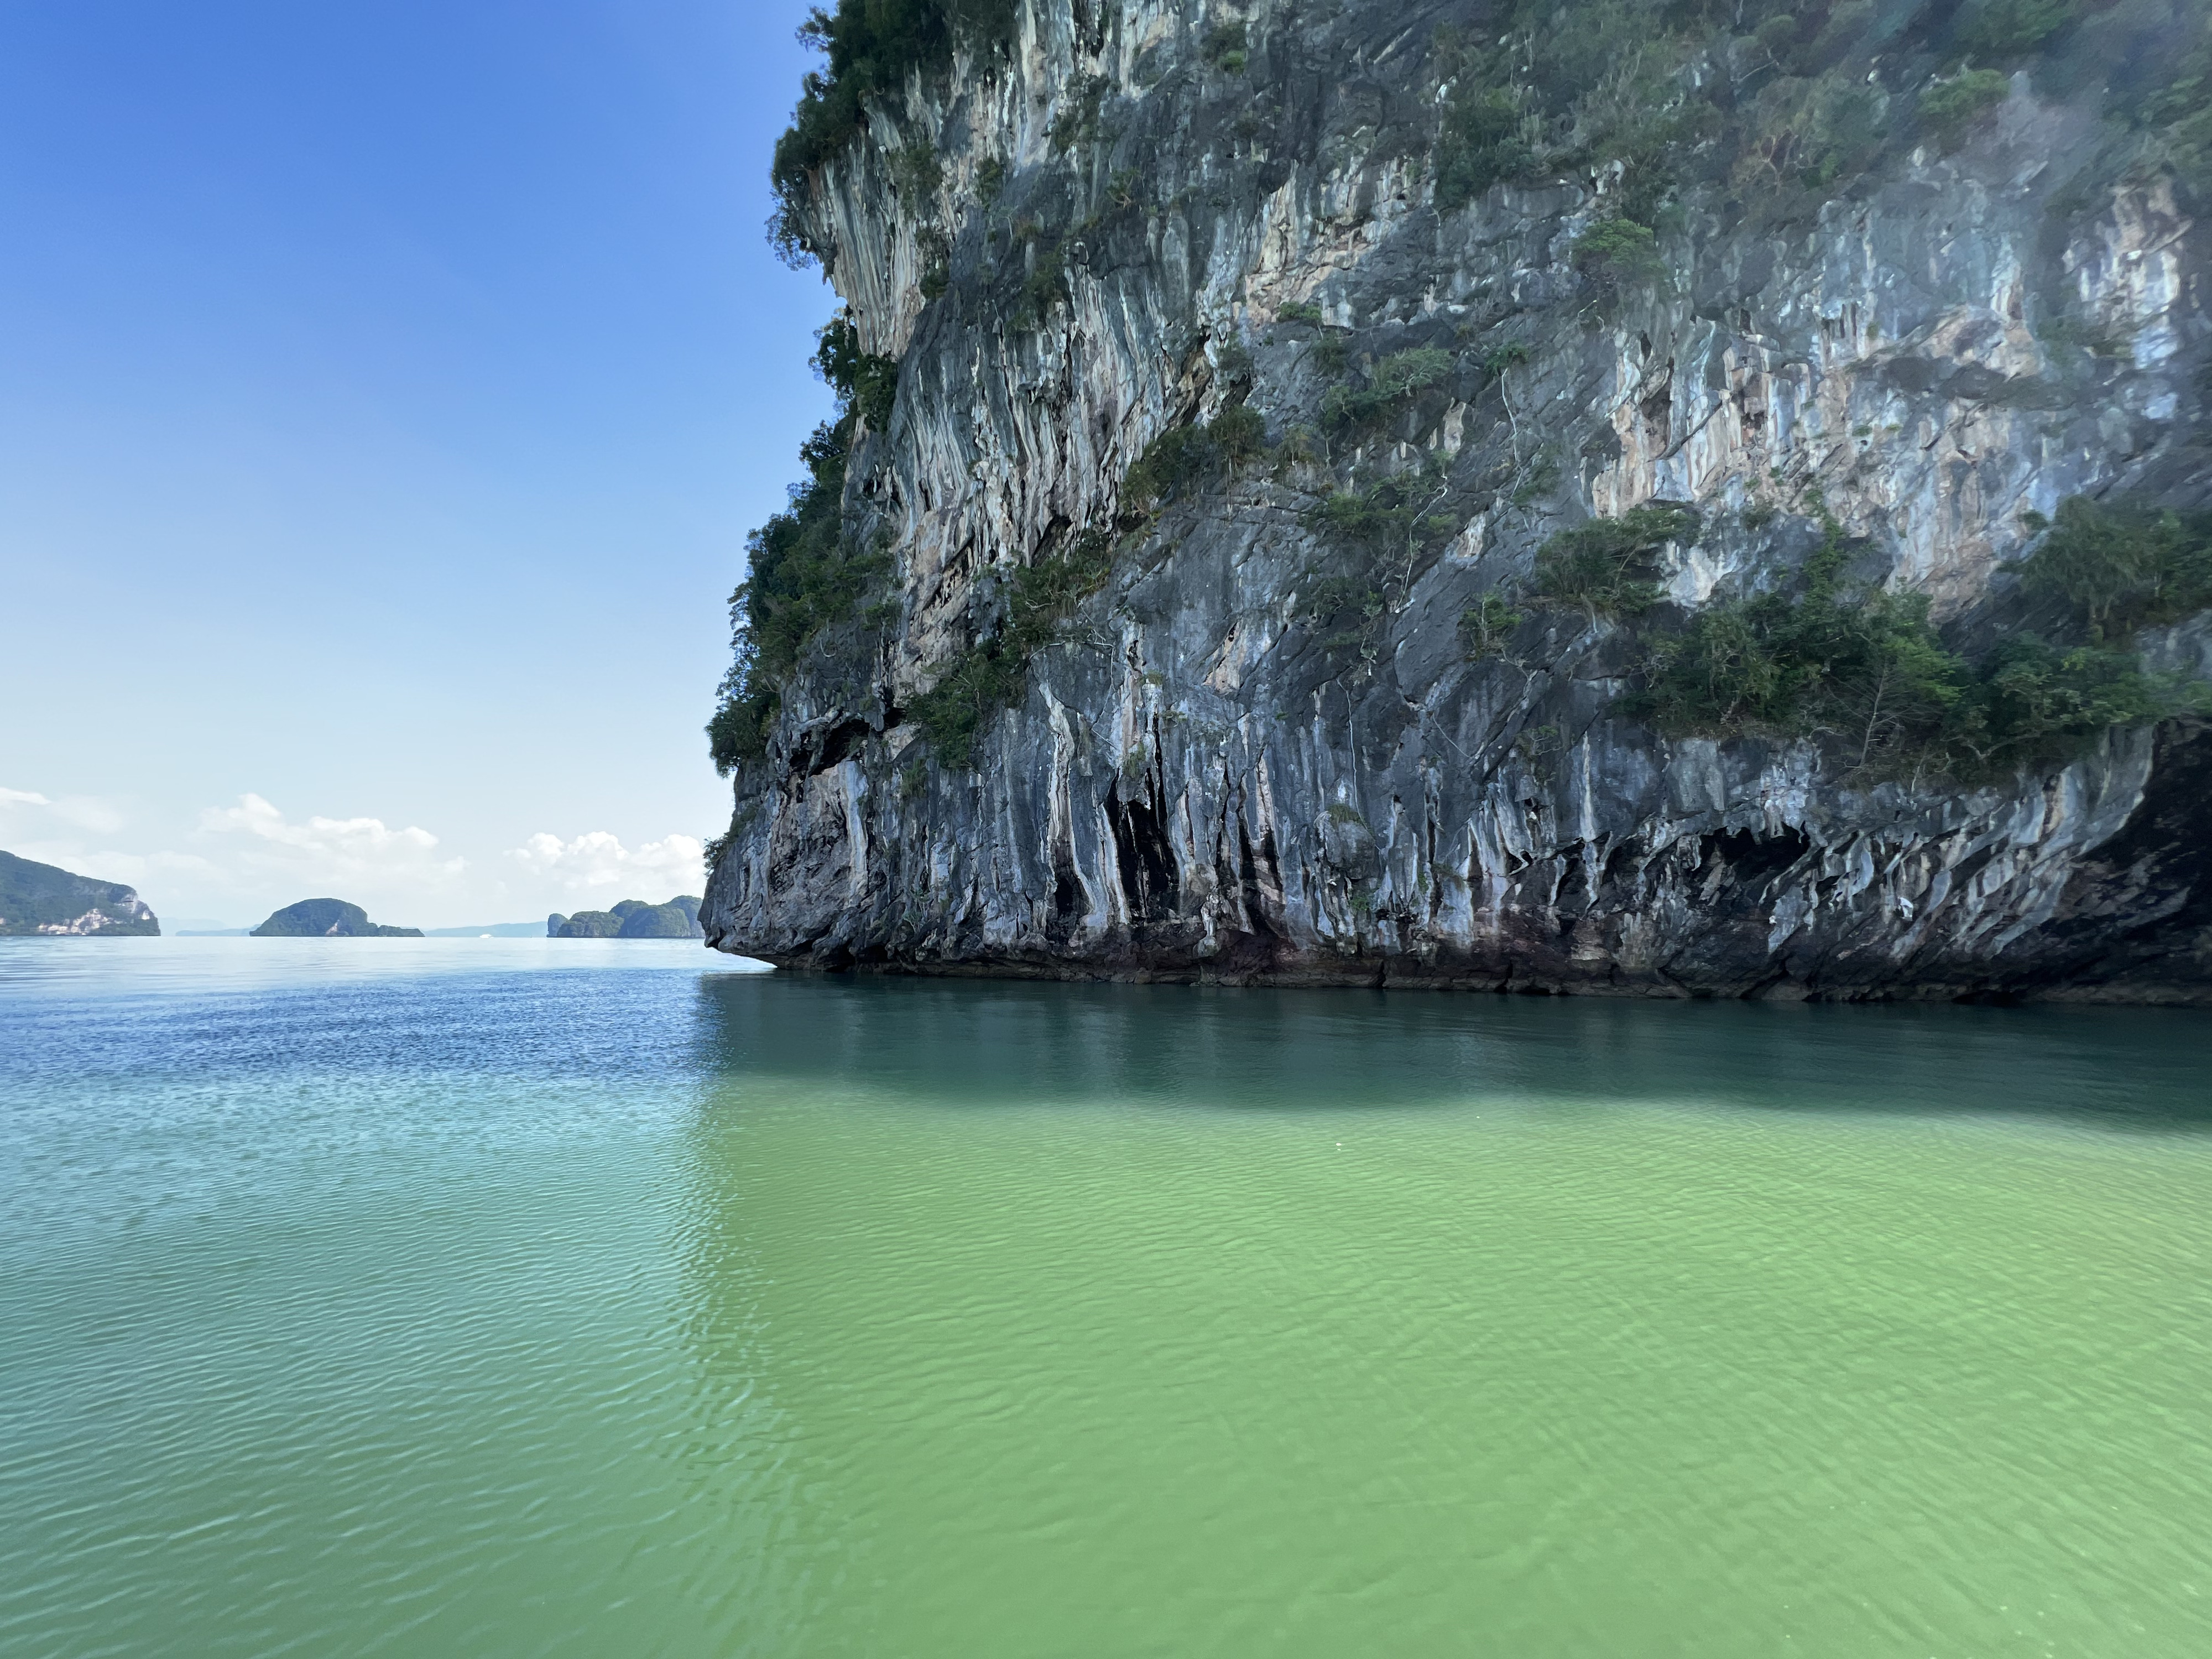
x: 488, y: 1298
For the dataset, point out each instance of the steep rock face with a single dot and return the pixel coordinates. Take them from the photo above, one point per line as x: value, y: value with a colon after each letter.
x: 1211, y: 773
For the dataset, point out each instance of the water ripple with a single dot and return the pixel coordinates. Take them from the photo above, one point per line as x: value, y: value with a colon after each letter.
x: 528, y: 1303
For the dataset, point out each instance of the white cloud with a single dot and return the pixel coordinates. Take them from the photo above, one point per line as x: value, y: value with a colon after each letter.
x: 131, y: 868
x: 596, y: 863
x: 241, y: 861
x: 42, y: 829
x: 105, y: 863
x: 29, y: 808
x: 335, y: 853
x: 246, y: 858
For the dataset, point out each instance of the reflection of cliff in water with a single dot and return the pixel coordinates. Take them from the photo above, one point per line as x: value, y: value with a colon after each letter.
x: 1025, y: 1318
x: 1017, y: 1042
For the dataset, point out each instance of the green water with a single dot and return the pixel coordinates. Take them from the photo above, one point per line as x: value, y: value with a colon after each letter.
x: 490, y: 1299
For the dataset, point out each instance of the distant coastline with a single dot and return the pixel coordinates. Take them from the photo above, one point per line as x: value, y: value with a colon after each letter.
x: 482, y: 930
x: 42, y: 900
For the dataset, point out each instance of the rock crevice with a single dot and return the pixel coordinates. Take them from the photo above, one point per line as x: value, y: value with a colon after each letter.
x: 1253, y: 756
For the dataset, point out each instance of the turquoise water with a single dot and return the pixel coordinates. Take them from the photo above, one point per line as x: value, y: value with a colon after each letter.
x: 513, y: 1297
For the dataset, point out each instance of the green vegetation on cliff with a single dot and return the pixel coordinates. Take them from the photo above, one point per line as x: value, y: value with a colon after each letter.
x: 870, y: 48
x: 804, y: 571
x: 327, y: 918
x: 865, y: 385
x: 1392, y: 383
x: 1863, y: 669
x: 801, y: 575
x: 1662, y: 114
x: 1782, y: 105
x: 991, y: 676
x: 2119, y: 568
x: 42, y: 899
x: 1604, y: 568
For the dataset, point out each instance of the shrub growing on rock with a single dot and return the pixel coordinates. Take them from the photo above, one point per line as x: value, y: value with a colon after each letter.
x: 2119, y: 568
x: 802, y: 575
x: 1617, y: 253
x: 1396, y: 379
x: 991, y: 675
x: 1950, y: 107
x: 1606, y: 567
x: 1486, y: 626
x: 1184, y: 456
x: 1864, y: 669
x: 862, y: 381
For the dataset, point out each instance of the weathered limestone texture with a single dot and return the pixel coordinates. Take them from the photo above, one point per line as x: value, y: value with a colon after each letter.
x: 1200, y: 780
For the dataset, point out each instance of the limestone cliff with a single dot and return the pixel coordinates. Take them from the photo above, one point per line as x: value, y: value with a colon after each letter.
x: 1253, y: 367
x: 40, y: 899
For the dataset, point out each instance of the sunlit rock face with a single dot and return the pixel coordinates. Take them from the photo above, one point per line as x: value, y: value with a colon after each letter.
x: 1203, y: 778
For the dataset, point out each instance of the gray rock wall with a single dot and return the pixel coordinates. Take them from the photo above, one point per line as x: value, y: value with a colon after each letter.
x: 1202, y: 780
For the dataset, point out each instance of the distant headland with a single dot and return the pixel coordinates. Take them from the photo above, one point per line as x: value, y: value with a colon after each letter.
x: 39, y: 899
x: 631, y: 919
x: 327, y: 918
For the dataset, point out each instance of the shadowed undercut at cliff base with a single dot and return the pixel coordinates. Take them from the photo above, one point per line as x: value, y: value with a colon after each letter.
x: 1531, y: 497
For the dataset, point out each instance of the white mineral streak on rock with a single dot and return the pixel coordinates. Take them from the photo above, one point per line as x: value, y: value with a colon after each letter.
x: 90, y: 922
x: 1193, y: 786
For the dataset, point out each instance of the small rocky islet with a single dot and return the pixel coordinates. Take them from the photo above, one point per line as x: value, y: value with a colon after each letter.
x: 327, y: 918
x: 631, y: 919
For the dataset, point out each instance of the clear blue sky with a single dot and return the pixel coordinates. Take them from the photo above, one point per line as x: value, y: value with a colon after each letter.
x: 386, y: 392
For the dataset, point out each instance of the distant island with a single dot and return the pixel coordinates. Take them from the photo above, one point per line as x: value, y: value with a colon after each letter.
x: 631, y: 919
x: 488, y: 930
x: 328, y: 918
x: 39, y: 899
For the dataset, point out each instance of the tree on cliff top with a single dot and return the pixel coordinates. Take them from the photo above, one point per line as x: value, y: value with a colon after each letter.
x: 872, y: 45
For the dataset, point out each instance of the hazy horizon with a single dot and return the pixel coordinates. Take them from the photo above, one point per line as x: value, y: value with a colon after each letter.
x: 386, y: 400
